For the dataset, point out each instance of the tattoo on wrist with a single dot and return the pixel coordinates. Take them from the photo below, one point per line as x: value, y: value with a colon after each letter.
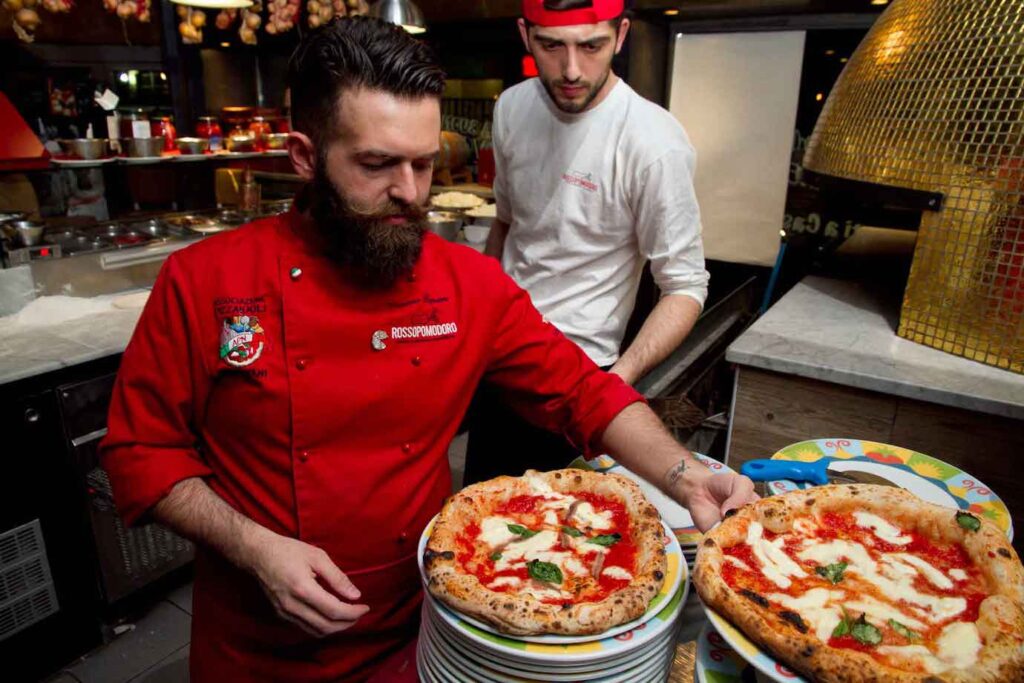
x: 674, y: 474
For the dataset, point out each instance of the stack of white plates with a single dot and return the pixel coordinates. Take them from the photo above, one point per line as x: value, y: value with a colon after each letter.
x: 455, y: 647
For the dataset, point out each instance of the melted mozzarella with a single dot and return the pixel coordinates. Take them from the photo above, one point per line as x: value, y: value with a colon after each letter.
x: 958, y: 574
x: 566, y: 561
x: 588, y: 516
x: 934, y: 576
x: 814, y: 608
x: 737, y: 562
x: 959, y: 644
x: 883, y: 529
x: 958, y: 648
x: 776, y: 565
x: 518, y: 552
x: 617, y: 573
x: 500, y: 581
x: 881, y: 612
x: 805, y: 526
x: 543, y: 592
x: 892, y: 583
x: 494, y: 531
x: 550, y: 517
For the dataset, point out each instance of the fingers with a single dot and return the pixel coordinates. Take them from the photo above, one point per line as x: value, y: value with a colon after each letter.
x: 327, y: 605
x: 310, y: 620
x: 705, y: 516
x: 335, y: 578
x: 741, y: 492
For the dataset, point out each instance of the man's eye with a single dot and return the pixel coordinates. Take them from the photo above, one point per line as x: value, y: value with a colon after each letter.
x: 591, y: 48
x: 373, y: 167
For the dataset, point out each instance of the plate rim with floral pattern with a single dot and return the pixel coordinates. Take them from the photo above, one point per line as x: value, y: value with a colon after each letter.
x: 969, y: 492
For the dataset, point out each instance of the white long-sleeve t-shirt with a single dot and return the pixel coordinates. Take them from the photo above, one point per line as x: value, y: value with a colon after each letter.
x: 589, y: 198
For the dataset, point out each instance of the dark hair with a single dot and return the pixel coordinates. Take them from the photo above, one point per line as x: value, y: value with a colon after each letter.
x: 567, y: 5
x: 354, y: 52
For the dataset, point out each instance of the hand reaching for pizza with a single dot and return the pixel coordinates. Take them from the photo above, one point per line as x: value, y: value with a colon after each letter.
x: 708, y: 496
x: 288, y: 570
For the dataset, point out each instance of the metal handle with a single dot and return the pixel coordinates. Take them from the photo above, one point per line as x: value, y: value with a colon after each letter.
x: 91, y: 436
x: 32, y: 415
x: 771, y: 470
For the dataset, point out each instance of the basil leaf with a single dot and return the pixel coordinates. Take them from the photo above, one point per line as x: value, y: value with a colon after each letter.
x: 968, y: 521
x: 865, y: 633
x: 544, y: 571
x: 495, y: 557
x: 521, y: 530
x: 575, y: 533
x: 607, y: 540
x: 832, y: 572
x: 841, y: 629
x: 903, y: 630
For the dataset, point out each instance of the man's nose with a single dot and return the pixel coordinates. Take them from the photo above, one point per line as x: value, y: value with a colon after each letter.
x: 571, y: 67
x: 403, y: 185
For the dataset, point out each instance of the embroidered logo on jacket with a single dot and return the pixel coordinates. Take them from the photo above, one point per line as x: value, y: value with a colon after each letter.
x: 241, y: 340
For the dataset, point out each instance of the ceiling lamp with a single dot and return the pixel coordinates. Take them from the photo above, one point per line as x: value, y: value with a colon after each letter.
x: 405, y: 13
x: 930, y: 103
x: 215, y: 4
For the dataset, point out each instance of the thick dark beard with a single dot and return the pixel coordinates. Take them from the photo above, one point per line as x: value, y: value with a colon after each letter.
x: 378, y: 251
x: 551, y: 87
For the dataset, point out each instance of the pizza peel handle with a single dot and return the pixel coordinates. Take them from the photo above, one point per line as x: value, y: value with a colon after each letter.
x: 772, y: 470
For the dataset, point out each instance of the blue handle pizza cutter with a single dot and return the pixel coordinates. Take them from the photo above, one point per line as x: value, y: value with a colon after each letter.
x: 817, y: 472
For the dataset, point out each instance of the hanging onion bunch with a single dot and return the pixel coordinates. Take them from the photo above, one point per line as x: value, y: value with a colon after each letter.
x: 225, y: 18
x: 26, y: 15
x: 282, y: 15
x: 191, y: 27
x: 128, y: 9
x: 251, y: 21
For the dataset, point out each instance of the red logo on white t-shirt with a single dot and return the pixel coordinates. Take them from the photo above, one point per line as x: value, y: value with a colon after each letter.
x: 580, y: 179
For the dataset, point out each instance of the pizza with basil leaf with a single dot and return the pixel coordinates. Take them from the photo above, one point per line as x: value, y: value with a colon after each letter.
x: 567, y: 552
x: 869, y: 583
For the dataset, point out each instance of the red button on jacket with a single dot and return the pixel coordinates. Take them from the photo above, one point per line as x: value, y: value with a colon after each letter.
x: 210, y: 387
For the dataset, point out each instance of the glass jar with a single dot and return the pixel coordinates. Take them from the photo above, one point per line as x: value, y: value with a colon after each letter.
x: 164, y: 127
x: 260, y: 129
x: 209, y: 127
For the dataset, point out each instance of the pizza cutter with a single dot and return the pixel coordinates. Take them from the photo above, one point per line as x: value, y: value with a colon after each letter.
x: 818, y: 472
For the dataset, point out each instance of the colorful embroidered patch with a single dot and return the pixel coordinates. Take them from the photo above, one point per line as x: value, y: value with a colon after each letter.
x: 241, y: 340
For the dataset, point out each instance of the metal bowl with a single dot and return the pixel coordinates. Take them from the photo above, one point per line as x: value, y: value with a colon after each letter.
x: 446, y: 224
x: 139, y: 148
x: 153, y: 228
x: 85, y: 148
x: 193, y: 145
x: 28, y: 233
x: 240, y: 143
x: 276, y: 140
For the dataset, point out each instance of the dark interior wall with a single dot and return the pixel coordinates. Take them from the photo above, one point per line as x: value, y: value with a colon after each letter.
x: 230, y: 78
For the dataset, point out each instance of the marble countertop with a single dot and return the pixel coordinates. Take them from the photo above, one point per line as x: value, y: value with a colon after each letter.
x: 30, y: 347
x: 845, y: 332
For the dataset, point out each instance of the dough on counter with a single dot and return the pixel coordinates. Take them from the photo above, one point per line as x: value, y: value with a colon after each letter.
x: 136, y: 300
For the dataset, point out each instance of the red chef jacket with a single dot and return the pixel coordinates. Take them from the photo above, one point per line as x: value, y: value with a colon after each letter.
x: 323, y: 411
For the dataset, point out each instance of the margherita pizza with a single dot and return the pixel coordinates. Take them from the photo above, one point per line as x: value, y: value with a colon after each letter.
x: 566, y: 552
x: 869, y: 583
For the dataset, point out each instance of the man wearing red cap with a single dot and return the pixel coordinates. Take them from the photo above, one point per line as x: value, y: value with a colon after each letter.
x: 592, y: 181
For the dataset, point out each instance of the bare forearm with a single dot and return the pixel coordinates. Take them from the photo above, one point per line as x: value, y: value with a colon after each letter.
x: 193, y: 510
x: 638, y: 440
x: 496, y: 239
x: 665, y: 329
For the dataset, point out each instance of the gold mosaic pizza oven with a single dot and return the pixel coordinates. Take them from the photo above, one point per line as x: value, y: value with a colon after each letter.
x: 933, y: 101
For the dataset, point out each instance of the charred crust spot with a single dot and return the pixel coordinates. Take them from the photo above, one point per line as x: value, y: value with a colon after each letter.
x: 854, y: 491
x: 807, y: 651
x: 768, y: 513
x: 658, y: 574
x: 556, y: 624
x: 618, y: 601
x: 558, y: 475
x: 566, y: 605
x: 1004, y: 552
x: 448, y: 555
x: 509, y: 606
x: 754, y: 597
x: 709, y: 543
x: 730, y: 513
x: 795, y: 619
x: 578, y: 479
x: 809, y: 502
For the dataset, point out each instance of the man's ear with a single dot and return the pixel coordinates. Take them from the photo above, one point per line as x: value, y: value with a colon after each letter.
x: 621, y: 37
x: 524, y: 33
x: 302, y: 154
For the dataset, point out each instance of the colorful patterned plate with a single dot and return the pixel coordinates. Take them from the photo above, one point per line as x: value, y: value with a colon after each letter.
x: 929, y: 478
x: 750, y: 652
x: 676, y: 574
x: 716, y: 662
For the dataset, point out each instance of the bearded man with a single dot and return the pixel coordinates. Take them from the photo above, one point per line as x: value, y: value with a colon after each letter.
x: 289, y: 394
x: 592, y: 182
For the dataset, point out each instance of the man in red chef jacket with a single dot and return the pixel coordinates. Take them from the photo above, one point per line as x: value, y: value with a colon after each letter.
x: 291, y: 389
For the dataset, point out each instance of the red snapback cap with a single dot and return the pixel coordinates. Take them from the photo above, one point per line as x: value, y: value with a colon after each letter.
x: 535, y: 12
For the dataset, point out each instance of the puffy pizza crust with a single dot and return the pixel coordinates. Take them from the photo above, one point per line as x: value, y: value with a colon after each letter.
x: 520, y: 614
x: 1001, y: 616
